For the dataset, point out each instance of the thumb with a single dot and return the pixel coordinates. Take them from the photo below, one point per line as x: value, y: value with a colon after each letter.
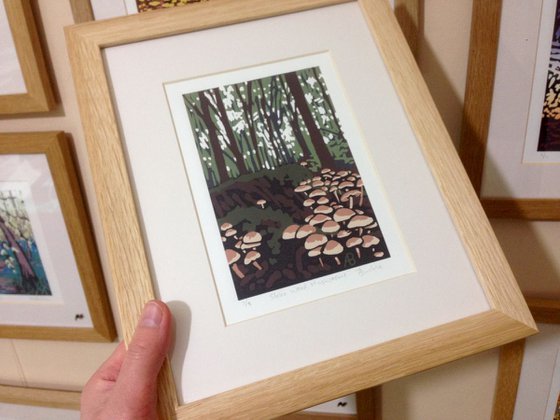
x: 146, y: 352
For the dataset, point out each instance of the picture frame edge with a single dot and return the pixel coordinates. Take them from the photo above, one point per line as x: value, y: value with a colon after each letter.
x: 40, y: 397
x: 40, y: 96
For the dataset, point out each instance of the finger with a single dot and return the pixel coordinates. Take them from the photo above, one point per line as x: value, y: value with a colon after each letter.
x: 109, y: 370
x: 98, y: 388
x: 145, y: 353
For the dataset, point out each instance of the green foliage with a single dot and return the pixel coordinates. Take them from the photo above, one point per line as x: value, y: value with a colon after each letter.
x: 245, y: 219
x: 294, y: 173
x: 258, y: 126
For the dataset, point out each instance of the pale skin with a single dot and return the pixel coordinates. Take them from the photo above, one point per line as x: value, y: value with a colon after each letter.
x: 125, y: 386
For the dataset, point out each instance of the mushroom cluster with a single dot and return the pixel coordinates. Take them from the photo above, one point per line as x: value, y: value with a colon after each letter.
x: 241, y: 247
x: 336, y: 220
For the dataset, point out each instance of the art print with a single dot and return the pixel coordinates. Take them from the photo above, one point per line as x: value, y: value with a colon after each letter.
x: 543, y: 132
x: 277, y: 170
x: 21, y: 268
x: 140, y: 6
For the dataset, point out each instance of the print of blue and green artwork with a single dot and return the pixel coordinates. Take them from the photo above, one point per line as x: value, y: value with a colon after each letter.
x: 21, y: 269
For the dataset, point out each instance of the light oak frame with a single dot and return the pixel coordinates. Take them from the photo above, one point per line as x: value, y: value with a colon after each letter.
x: 40, y: 397
x: 39, y: 95
x: 57, y: 149
x: 485, y: 32
x: 508, y: 318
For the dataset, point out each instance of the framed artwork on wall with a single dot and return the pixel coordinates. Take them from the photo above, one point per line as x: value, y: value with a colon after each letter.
x: 51, y: 285
x: 86, y: 10
x: 508, y: 143
x: 178, y: 161
x: 528, y: 374
x: 24, y: 82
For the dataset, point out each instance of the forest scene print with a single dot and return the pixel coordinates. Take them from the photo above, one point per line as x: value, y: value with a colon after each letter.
x: 549, y: 136
x: 21, y: 269
x: 284, y: 186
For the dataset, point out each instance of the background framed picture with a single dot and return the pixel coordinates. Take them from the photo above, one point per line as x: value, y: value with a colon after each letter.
x: 51, y: 285
x: 405, y: 146
x: 538, y: 379
x: 516, y: 46
x: 86, y: 10
x: 24, y: 82
x: 528, y: 384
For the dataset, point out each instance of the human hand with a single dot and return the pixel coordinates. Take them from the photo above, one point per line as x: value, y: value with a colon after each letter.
x: 125, y: 386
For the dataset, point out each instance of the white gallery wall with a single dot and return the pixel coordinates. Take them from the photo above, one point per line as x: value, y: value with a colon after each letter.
x: 460, y: 390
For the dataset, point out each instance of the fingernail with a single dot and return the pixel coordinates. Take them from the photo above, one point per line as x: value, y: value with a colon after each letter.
x: 151, y: 315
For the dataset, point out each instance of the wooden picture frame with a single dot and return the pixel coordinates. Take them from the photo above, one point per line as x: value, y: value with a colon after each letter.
x: 479, y: 93
x: 506, y: 319
x: 52, y: 154
x: 40, y: 397
x: 546, y: 311
x: 39, y: 95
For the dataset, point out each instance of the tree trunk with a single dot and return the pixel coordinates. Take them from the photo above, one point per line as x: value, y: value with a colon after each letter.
x: 230, y: 134
x: 248, y: 109
x: 327, y: 99
x: 319, y: 144
x: 29, y: 279
x: 213, y: 135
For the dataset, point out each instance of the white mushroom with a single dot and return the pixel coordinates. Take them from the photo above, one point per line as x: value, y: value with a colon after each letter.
x: 225, y: 226
x: 232, y: 258
x: 330, y: 227
x: 252, y: 257
x: 315, y: 240
x: 359, y: 221
x: 290, y: 232
x: 304, y: 231
x: 333, y: 248
x: 354, y: 243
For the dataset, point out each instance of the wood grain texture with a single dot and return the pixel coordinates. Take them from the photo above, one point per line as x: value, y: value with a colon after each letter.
x: 485, y: 32
x: 531, y: 209
x: 81, y: 11
x: 409, y: 16
x: 57, y: 149
x: 368, y: 402
x: 308, y: 415
x: 40, y: 397
x: 509, y: 371
x: 546, y: 311
x: 507, y: 319
x: 39, y: 96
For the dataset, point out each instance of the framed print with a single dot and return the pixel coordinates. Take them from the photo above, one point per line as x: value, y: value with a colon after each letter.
x: 86, y: 10
x: 546, y: 312
x: 297, y: 102
x: 51, y: 286
x: 24, y: 82
x: 139, y: 6
x: 538, y: 379
x: 507, y: 144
